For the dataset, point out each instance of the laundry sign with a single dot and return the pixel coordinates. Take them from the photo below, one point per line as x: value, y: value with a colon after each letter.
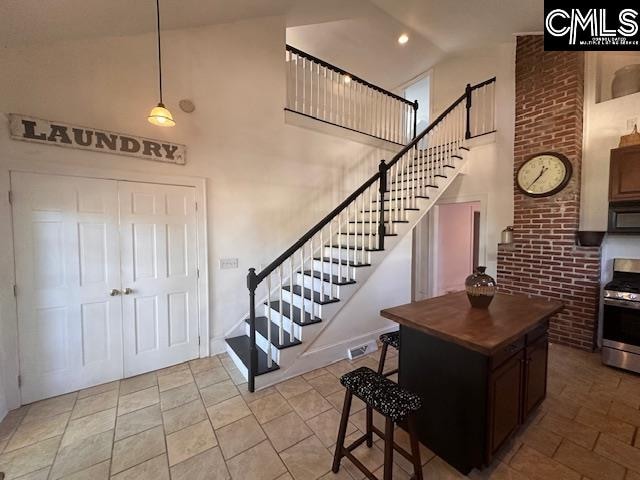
x: 30, y: 129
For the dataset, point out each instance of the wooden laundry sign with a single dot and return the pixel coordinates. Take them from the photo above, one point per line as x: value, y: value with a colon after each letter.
x: 37, y: 130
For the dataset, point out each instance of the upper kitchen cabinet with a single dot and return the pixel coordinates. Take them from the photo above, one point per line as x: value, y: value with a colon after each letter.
x: 624, y: 176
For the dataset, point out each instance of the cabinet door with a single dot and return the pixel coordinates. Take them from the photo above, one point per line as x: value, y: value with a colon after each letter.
x: 505, y: 400
x: 536, y: 374
x: 624, y: 175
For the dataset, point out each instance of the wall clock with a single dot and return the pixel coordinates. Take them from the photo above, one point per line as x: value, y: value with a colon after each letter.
x: 544, y: 174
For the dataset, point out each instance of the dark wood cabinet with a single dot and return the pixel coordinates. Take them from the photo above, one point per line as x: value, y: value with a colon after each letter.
x: 505, y: 401
x: 624, y: 174
x: 535, y: 388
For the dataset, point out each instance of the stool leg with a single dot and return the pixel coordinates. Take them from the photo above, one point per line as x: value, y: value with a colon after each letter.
x: 342, y: 431
x: 383, y: 356
x: 369, y: 421
x: 415, y: 447
x: 388, y: 450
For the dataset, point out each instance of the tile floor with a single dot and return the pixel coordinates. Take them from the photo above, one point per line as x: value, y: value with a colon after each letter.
x: 197, y: 421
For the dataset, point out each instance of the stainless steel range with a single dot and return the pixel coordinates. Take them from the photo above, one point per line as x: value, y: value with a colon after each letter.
x: 621, y: 317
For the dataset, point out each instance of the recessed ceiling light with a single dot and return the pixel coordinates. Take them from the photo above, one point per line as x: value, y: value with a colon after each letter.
x: 402, y: 39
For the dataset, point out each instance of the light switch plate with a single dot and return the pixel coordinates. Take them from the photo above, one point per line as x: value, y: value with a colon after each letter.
x: 228, y: 263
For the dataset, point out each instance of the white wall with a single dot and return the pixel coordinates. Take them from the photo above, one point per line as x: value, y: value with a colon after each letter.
x: 267, y: 182
x: 489, y: 174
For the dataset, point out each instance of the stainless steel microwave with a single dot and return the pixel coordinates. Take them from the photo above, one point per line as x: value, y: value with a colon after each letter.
x: 624, y: 217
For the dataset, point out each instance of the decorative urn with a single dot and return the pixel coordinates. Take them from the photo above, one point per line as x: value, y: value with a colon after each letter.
x: 480, y: 288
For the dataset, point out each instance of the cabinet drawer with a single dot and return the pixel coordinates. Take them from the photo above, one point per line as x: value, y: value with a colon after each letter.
x: 537, y: 332
x: 506, y: 353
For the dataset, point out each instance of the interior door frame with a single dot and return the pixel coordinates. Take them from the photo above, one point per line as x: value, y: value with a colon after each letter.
x: 131, y: 176
x: 430, y: 244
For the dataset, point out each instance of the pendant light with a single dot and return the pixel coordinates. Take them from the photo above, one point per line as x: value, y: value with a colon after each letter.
x: 159, y: 114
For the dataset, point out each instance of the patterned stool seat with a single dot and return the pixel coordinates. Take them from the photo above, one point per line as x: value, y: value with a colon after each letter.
x: 392, y: 339
x: 383, y: 395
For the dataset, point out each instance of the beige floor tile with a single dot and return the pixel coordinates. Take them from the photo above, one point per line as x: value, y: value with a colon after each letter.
x: 372, y: 458
x: 340, y: 368
x: 569, y: 429
x: 286, y: 431
x: 95, y: 403
x: 228, y: 411
x: 138, y: 421
x: 441, y: 470
x: 37, y: 430
x: 315, y: 373
x: 341, y: 475
x: 210, y: 377
x: 29, y: 459
x: 178, y: 396
x: 183, y: 416
x: 397, y: 473
x: 239, y: 436
x: 613, y: 449
x: 325, y: 426
x: 631, y: 475
x: 258, y: 394
x: 190, y: 441
x: 96, y: 472
x: 269, y: 407
x: 153, y: 469
x: 498, y: 471
x: 236, y: 376
x: 625, y: 413
x: 82, y: 454
x: 174, y: 379
x: 135, y: 384
x: 309, y: 404
x: 587, y: 462
x: 337, y: 400
x: 39, y: 475
x: 105, y: 387
x: 218, y: 392
x: 308, y: 459
x: 136, y: 449
x: 207, y: 465
x: 89, y: 426
x: 541, y: 439
x: 258, y: 463
x: 11, y: 421
x: 201, y: 364
x: 292, y: 387
x: 173, y: 369
x: 623, y: 431
x: 359, y: 420
x: 537, y: 466
x: 51, y: 407
x: 560, y: 407
x: 286, y: 476
x: 326, y: 384
x: 140, y: 399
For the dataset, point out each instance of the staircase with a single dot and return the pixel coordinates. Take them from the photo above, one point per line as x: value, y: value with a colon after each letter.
x: 296, y: 296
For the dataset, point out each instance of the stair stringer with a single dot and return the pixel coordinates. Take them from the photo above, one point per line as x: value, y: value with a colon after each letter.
x: 304, y: 357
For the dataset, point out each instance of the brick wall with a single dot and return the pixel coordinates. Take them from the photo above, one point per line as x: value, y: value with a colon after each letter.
x: 543, y: 259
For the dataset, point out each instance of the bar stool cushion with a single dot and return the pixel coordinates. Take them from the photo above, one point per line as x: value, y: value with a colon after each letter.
x: 380, y: 393
x: 392, y: 339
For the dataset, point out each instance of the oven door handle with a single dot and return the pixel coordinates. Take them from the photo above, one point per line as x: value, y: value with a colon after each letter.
x: 622, y: 303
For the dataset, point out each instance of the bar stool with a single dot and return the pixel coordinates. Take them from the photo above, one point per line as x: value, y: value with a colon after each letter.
x: 390, y: 400
x: 388, y: 339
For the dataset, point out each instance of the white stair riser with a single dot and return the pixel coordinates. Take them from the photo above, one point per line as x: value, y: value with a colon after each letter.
x: 335, y: 269
x: 287, y: 325
x: 263, y: 344
x: 317, y: 284
x: 369, y: 241
x: 351, y: 254
x: 369, y: 227
x: 367, y: 215
x: 305, y: 304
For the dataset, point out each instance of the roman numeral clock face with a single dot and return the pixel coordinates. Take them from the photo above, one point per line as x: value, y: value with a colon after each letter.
x: 544, y: 174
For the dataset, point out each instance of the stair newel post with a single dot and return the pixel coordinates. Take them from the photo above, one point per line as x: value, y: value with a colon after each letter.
x: 467, y: 93
x: 252, y: 285
x: 415, y: 118
x: 382, y: 170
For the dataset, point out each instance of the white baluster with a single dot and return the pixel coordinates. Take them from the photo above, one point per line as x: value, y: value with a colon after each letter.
x: 340, y: 244
x: 269, y: 321
x: 280, y: 295
x: 362, y: 242
x: 371, y: 228
x: 302, y: 309
x: 331, y: 268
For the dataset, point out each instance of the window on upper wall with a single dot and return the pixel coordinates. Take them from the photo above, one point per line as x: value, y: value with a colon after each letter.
x: 617, y: 75
x: 420, y: 89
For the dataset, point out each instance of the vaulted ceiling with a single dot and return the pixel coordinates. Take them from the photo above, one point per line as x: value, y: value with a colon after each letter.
x: 358, y: 35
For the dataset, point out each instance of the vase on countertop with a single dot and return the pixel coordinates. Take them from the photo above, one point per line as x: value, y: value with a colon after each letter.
x: 480, y: 288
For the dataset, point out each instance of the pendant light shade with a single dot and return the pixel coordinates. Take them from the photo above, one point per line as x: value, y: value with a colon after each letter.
x: 159, y: 114
x: 161, y: 117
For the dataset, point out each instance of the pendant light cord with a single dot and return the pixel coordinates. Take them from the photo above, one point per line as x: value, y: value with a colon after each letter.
x: 159, y: 51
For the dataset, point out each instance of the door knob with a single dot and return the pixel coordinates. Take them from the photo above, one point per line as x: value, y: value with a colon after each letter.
x: 128, y: 291
x: 114, y: 292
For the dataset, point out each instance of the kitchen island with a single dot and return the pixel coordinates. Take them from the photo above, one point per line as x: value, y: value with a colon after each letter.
x: 481, y: 372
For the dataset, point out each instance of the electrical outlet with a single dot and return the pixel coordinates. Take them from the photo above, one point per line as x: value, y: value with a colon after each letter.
x: 631, y: 122
x: 228, y: 263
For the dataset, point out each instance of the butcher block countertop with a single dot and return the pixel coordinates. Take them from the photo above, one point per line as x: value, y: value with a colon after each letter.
x: 451, y: 317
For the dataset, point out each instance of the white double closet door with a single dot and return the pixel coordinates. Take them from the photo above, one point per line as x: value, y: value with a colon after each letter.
x: 106, y: 275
